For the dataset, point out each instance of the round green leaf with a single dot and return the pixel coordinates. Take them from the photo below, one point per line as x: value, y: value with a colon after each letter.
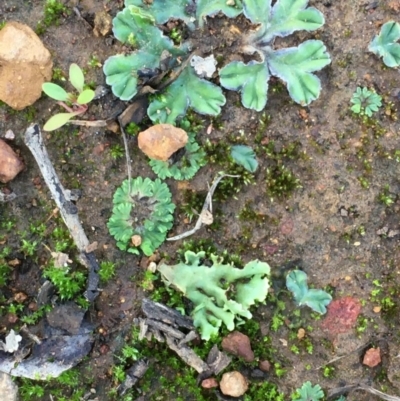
x: 85, y: 97
x: 55, y: 91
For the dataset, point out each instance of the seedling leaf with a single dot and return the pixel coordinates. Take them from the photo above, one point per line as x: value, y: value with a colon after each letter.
x: 205, y: 8
x: 288, y: 16
x: 294, y: 65
x: 250, y: 79
x: 121, y: 72
x: 55, y: 91
x: 85, y: 96
x: 308, y: 392
x: 58, y: 120
x: 317, y: 300
x: 384, y: 45
x: 76, y: 77
x: 245, y: 156
x: 135, y: 26
x: 187, y: 91
x: 257, y: 11
x: 164, y: 10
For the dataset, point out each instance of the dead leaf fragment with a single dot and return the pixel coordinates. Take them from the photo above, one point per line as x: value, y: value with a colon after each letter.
x: 372, y: 357
x: 12, y: 342
x: 161, y: 141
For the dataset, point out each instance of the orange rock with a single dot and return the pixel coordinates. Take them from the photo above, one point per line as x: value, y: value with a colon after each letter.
x: 161, y: 141
x: 10, y: 164
x: 372, y: 357
x: 211, y: 382
x: 25, y: 65
x: 238, y: 344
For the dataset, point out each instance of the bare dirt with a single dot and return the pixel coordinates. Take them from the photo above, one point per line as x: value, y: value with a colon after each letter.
x: 335, y: 225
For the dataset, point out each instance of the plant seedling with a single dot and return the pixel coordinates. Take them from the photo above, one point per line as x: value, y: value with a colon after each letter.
x: 74, y: 104
x: 384, y: 45
x: 308, y: 392
x: 293, y: 65
x: 365, y: 102
x: 317, y: 300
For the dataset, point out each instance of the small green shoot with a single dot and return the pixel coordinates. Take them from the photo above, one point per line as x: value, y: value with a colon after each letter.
x: 317, y: 300
x: 308, y: 392
x: 75, y: 104
x: 365, y: 102
x: 107, y: 270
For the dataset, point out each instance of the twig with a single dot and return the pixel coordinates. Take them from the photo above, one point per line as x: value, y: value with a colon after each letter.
x: 207, y: 208
x: 128, y: 158
x: 354, y: 387
x: 68, y: 210
x: 32, y: 336
x: 87, y: 123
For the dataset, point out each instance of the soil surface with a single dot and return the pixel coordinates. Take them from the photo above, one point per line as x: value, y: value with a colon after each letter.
x: 339, y: 222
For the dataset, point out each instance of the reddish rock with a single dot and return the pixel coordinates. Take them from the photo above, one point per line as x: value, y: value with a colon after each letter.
x: 211, y: 382
x: 265, y: 366
x: 341, y: 316
x: 10, y: 164
x: 161, y: 141
x: 238, y: 344
x: 233, y: 384
x: 24, y: 65
x: 372, y: 357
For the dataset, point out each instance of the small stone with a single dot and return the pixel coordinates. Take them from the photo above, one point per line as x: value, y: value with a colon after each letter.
x: 238, y: 344
x: 68, y: 317
x: 377, y: 309
x: 20, y: 297
x: 9, y: 135
x: 265, y: 366
x: 25, y: 65
x: 161, y: 141
x: 136, y: 240
x: 372, y: 357
x: 233, y: 384
x: 102, y: 23
x: 10, y: 164
x: 211, y: 382
x: 8, y: 389
x: 301, y: 333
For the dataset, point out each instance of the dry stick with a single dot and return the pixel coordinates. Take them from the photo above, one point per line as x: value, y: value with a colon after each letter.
x: 128, y: 158
x: 207, y: 207
x: 354, y: 387
x: 68, y: 210
x: 87, y: 123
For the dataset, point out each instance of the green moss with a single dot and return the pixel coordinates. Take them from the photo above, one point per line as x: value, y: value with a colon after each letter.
x: 52, y: 13
x: 281, y: 182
